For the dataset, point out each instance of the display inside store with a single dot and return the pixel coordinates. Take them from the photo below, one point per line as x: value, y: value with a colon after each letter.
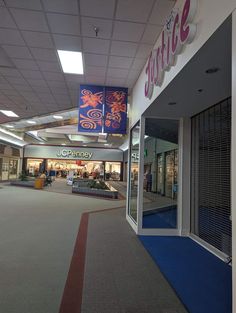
x: 80, y: 169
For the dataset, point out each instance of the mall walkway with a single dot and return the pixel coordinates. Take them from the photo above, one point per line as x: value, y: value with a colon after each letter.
x: 38, y: 231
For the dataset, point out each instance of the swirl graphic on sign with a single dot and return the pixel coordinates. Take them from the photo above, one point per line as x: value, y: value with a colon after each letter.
x: 88, y: 124
x: 95, y: 114
x: 114, y: 116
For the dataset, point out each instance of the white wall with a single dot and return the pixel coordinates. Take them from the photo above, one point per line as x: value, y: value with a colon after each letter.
x: 210, y: 15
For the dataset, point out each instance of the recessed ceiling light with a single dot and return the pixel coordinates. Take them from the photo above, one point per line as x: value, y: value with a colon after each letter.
x: 212, y: 70
x: 58, y: 117
x: 9, y: 126
x: 106, y: 144
x: 71, y: 62
x: 172, y: 103
x: 9, y: 113
x: 31, y: 122
x: 84, y: 145
x: 63, y: 144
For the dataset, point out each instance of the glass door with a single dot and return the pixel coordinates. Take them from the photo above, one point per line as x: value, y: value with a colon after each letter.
x: 160, y: 197
x: 134, y: 172
x: 171, y: 174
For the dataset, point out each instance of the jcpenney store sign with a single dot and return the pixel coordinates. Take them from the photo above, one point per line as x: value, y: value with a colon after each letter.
x: 68, y: 153
x: 177, y: 32
x: 73, y: 153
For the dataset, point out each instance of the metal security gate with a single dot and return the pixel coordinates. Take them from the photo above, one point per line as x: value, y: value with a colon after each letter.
x: 210, y: 182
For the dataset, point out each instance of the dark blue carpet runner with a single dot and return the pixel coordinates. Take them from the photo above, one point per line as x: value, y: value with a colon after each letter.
x: 201, y: 280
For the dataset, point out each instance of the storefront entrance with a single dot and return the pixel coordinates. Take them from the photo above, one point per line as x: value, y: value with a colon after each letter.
x: 9, y: 162
x: 83, y: 169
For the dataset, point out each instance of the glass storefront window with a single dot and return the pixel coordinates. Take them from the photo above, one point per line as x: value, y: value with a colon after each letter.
x: 82, y: 169
x: 134, y: 164
x: 0, y: 168
x: 33, y: 166
x: 13, y: 166
x: 160, y: 173
x: 8, y: 168
x: 112, y: 170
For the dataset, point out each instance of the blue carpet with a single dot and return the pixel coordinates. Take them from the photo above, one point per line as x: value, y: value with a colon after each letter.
x: 201, y: 280
x: 163, y: 219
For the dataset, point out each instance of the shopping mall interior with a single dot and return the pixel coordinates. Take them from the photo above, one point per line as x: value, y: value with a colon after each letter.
x: 117, y: 170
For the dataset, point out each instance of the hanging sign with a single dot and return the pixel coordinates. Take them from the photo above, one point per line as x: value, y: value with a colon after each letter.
x: 178, y: 31
x: 103, y: 109
x: 115, y: 111
x: 90, y: 108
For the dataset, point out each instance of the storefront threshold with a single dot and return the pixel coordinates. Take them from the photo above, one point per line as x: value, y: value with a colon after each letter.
x: 202, y: 281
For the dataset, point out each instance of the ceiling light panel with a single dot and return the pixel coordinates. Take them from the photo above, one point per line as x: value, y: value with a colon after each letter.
x: 71, y: 62
x: 9, y: 113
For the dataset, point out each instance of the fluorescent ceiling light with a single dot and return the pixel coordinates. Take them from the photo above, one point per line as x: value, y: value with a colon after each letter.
x: 9, y: 126
x: 71, y: 62
x: 31, y: 122
x: 9, y: 113
x: 58, y: 117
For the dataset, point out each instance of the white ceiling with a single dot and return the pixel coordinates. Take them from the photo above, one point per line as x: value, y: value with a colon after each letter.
x: 31, y: 79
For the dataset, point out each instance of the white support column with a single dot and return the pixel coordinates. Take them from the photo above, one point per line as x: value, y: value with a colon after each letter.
x: 233, y: 161
x: 140, y: 176
x: 129, y: 219
x: 184, y: 176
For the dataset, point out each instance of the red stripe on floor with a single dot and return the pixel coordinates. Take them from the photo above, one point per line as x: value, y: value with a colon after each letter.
x: 73, y: 291
x: 72, y: 296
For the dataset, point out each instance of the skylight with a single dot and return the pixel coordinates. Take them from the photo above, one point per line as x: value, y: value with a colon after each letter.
x: 9, y: 113
x: 71, y: 62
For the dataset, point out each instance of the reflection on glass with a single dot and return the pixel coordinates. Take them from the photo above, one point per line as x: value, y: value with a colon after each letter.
x: 160, y: 173
x: 13, y: 164
x: 134, y: 163
x: 0, y: 168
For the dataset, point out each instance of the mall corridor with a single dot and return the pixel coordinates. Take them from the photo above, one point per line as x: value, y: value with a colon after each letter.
x: 38, y: 235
